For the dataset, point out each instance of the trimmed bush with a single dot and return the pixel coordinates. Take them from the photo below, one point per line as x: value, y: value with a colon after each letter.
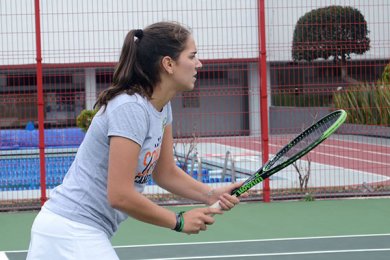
x: 84, y: 119
x: 334, y: 31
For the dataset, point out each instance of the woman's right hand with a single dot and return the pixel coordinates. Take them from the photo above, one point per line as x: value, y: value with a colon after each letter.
x: 198, y: 219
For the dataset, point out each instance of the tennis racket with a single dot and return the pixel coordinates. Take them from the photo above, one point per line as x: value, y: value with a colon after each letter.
x: 295, y: 149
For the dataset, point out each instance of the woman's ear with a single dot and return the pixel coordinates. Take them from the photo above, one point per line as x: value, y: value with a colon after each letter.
x: 167, y: 64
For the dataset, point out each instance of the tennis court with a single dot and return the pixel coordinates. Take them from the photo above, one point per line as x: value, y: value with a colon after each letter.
x: 339, y: 162
x: 269, y: 68
x: 323, y: 229
x: 327, y: 229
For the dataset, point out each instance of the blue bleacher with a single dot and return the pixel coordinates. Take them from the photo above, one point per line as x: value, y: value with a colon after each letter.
x: 18, y: 173
x: 13, y: 139
x: 24, y: 173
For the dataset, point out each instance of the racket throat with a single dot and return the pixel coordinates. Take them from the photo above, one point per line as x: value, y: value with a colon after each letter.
x: 246, y: 186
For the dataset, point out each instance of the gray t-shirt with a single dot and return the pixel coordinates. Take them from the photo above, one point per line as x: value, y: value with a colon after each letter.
x: 82, y: 197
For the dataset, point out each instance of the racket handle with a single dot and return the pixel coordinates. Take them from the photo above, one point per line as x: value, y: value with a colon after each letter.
x: 216, y: 205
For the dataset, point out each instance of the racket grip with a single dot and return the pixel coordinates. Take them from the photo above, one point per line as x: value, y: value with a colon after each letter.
x: 216, y: 205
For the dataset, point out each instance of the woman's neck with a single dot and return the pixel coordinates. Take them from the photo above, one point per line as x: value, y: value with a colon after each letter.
x: 161, y: 96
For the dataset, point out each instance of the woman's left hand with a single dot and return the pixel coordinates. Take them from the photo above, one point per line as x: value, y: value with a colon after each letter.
x: 222, y: 194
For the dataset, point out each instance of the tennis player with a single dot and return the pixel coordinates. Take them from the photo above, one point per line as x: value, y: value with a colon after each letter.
x: 129, y: 139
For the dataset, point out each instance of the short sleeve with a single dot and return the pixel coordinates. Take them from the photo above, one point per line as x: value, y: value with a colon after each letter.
x: 129, y: 120
x: 169, y: 114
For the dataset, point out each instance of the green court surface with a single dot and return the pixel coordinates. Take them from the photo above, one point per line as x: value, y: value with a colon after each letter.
x: 361, y: 223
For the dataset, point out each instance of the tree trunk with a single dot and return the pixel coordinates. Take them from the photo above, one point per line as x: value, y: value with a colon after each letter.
x: 344, y: 73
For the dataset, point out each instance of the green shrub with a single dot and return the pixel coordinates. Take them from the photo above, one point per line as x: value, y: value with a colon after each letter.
x: 308, y: 197
x: 385, y: 78
x: 84, y: 119
x: 367, y: 104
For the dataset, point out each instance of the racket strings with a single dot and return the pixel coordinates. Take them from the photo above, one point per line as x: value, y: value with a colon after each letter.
x: 297, y: 148
x: 303, y: 142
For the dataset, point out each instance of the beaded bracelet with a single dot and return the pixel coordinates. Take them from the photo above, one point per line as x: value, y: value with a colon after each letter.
x: 179, y: 222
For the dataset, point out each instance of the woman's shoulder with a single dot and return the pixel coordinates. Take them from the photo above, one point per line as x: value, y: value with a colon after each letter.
x: 124, y: 98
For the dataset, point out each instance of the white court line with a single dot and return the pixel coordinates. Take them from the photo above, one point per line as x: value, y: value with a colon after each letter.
x: 236, y: 241
x: 354, y: 149
x: 276, y: 254
x: 351, y: 158
x: 254, y: 240
x: 342, y: 157
x: 3, y: 256
x: 338, y: 147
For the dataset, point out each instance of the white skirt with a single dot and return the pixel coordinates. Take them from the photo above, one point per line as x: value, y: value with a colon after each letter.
x: 56, y: 237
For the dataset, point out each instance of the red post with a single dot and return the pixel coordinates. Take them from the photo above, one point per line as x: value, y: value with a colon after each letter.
x: 263, y: 94
x: 41, y: 115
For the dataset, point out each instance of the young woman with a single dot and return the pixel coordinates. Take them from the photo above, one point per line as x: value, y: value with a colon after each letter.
x: 129, y: 139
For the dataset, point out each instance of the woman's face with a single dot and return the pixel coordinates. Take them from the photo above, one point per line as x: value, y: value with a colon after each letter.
x: 186, y: 67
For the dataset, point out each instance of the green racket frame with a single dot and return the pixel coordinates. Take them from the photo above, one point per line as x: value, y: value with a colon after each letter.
x: 269, y: 169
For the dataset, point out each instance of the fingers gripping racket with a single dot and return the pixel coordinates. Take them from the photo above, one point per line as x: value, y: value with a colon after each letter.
x: 295, y: 149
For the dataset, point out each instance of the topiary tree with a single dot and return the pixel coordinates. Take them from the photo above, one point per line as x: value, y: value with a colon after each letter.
x: 330, y: 32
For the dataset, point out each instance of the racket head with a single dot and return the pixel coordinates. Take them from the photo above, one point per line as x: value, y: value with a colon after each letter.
x: 306, y: 141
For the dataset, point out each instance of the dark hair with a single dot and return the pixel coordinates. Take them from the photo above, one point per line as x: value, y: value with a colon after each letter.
x: 139, y: 64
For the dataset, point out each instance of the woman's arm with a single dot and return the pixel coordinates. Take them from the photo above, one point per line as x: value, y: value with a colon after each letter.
x: 121, y: 191
x: 123, y: 195
x: 170, y: 177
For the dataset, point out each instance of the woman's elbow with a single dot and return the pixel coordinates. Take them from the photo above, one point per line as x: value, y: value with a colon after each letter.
x: 116, y: 199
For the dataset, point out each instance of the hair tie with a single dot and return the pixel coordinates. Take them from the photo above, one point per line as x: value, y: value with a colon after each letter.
x: 139, y: 33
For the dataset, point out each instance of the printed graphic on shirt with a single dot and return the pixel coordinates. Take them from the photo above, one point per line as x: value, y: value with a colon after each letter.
x: 149, y: 163
x: 150, y: 159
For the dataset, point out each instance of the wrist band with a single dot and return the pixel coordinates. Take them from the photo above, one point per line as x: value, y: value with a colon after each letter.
x: 179, y: 222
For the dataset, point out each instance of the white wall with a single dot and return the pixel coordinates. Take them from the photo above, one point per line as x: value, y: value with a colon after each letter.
x: 76, y: 31
x: 93, y: 30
